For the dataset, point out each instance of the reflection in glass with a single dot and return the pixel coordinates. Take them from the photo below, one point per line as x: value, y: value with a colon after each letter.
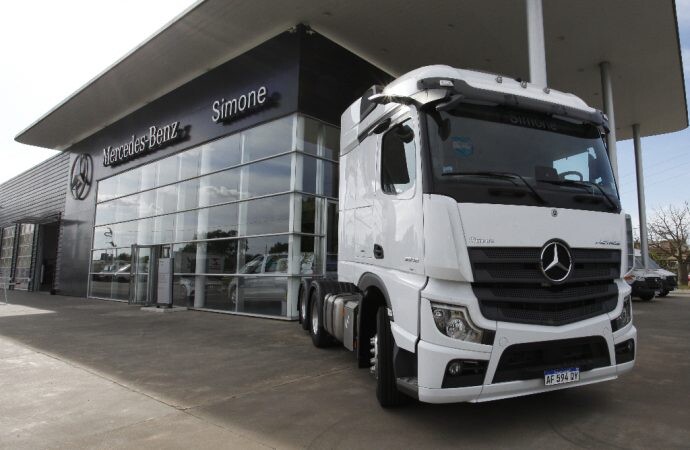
x: 221, y: 257
x: 107, y: 189
x: 268, y: 139
x: 166, y: 199
x: 167, y: 170
x: 308, y: 135
x: 128, y: 182
x: 267, y: 215
x: 262, y: 255
x: 220, y: 187
x: 100, y: 285
x: 221, y: 154
x: 185, y: 226
x: 330, y: 179
x: 268, y: 177
x: 309, y: 251
x: 187, y: 194
x: 331, y: 142
x: 308, y: 220
x: 188, y: 164
x: 309, y: 175
x: 163, y: 229
x: 149, y: 176
x: 102, y: 260
x: 221, y: 222
x: 260, y: 295
x: 105, y: 213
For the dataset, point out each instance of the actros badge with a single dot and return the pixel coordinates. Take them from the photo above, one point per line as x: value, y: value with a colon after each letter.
x: 81, y: 176
x: 556, y: 262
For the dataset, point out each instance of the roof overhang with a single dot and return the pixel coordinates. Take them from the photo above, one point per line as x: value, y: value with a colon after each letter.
x: 638, y: 37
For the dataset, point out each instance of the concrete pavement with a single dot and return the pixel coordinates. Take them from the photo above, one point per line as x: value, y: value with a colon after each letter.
x: 78, y: 373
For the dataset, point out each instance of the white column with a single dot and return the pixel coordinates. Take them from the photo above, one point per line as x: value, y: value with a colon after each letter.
x: 641, y: 204
x: 607, y: 97
x: 535, y: 42
x: 201, y: 247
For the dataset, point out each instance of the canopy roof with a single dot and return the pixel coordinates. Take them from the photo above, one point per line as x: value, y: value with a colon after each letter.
x: 638, y: 37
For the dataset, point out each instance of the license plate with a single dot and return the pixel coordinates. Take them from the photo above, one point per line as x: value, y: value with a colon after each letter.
x: 561, y: 376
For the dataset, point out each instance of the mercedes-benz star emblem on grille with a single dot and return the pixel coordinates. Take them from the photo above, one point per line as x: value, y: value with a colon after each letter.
x: 81, y: 176
x: 556, y: 262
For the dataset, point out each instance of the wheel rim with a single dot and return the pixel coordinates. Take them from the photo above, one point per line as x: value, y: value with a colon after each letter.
x: 314, y: 319
x: 374, y: 350
x: 303, y: 310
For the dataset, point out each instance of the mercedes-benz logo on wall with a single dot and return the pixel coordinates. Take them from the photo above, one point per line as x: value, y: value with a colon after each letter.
x: 81, y: 176
x: 556, y: 262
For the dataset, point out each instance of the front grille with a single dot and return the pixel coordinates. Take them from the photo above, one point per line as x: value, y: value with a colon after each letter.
x: 496, y: 265
x: 510, y: 286
x: 652, y: 282
x: 529, y: 361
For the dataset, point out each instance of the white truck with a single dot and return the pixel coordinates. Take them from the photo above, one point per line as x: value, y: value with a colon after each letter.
x: 482, y: 245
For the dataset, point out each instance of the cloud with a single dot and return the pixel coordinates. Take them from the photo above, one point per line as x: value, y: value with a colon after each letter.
x: 683, y: 12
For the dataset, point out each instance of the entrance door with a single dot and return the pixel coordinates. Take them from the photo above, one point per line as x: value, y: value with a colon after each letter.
x: 143, y: 279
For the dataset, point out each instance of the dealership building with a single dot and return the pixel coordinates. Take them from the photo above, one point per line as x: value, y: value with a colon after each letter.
x: 201, y: 169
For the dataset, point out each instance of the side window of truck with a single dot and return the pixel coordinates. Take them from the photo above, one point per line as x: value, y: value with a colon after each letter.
x: 398, y: 159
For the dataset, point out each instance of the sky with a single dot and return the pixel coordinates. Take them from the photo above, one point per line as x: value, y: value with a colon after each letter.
x: 52, y: 48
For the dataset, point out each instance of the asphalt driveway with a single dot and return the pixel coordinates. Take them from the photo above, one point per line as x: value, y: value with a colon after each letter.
x: 78, y: 373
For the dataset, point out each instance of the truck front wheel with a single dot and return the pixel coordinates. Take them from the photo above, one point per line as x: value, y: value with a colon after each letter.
x: 382, y: 358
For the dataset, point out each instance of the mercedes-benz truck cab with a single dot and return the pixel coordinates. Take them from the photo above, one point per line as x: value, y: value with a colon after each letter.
x: 482, y: 245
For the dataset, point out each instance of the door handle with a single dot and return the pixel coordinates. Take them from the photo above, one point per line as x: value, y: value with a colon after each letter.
x: 378, y: 251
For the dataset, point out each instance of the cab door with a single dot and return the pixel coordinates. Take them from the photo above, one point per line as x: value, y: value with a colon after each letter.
x: 398, y: 200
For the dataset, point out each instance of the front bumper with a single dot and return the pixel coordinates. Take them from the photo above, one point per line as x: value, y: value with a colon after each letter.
x: 435, y: 352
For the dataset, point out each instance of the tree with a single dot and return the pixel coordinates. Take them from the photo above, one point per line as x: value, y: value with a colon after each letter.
x: 669, y: 230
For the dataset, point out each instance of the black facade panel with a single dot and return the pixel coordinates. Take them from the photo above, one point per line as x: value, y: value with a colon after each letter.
x: 332, y: 77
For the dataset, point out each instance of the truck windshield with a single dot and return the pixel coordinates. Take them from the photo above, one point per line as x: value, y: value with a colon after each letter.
x: 491, y: 154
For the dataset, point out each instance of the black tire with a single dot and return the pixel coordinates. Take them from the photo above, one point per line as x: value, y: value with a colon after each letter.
x: 663, y: 293
x: 304, y: 304
x: 319, y: 336
x: 386, y: 388
x: 647, y: 297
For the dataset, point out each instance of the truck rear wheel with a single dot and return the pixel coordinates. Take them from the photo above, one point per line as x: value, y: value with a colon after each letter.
x: 382, y: 348
x: 663, y: 293
x: 319, y: 336
x: 304, y: 304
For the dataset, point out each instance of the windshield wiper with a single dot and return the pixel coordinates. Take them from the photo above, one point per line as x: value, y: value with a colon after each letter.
x: 584, y: 184
x: 502, y: 175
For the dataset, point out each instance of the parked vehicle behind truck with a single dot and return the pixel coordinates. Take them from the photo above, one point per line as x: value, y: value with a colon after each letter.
x: 646, y: 283
x: 482, y: 245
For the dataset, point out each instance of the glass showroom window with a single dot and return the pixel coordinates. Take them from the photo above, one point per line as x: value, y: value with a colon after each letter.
x: 241, y: 227
x: 6, y: 254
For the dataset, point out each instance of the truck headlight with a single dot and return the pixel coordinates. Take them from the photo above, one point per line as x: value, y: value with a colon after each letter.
x: 454, y: 322
x: 625, y: 316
